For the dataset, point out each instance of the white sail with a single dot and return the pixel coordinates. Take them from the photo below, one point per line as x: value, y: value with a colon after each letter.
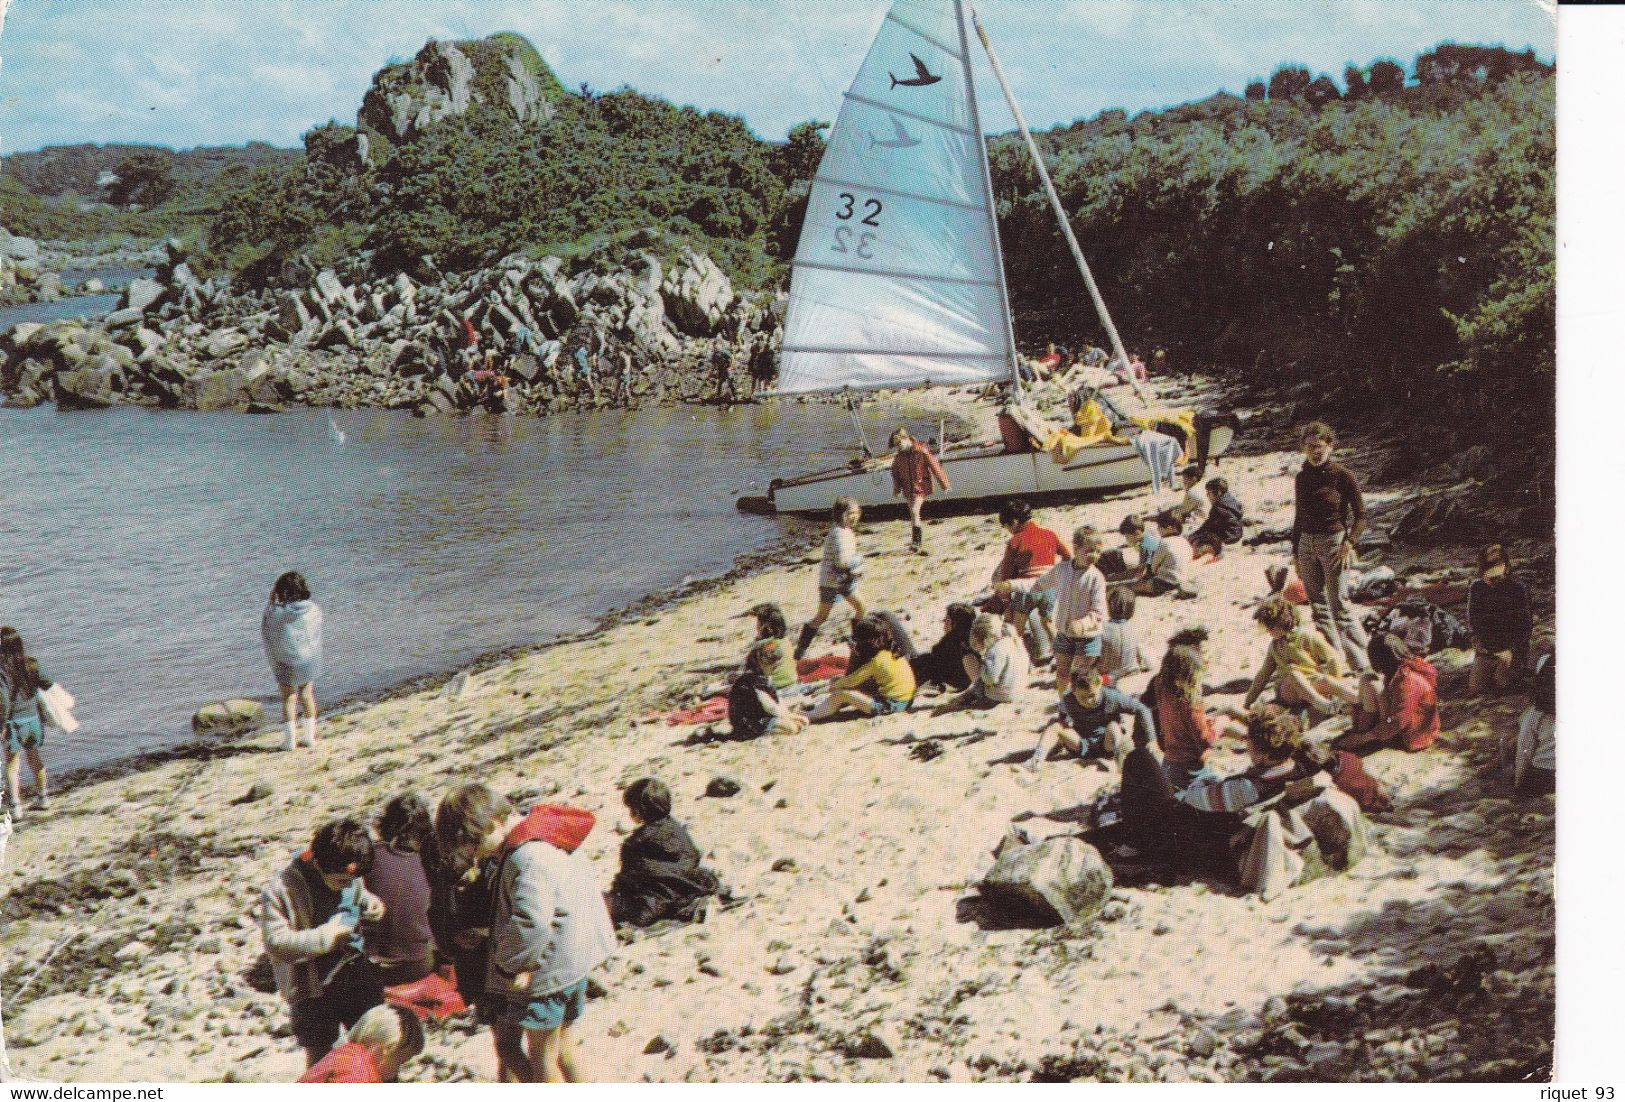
x: 897, y: 280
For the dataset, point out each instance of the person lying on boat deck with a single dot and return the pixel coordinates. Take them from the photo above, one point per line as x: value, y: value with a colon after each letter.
x: 1302, y: 666
x: 838, y: 575
x: 1530, y: 755
x: 1031, y: 552
x: 1121, y: 654
x: 1080, y: 606
x: 1091, y: 425
x: 997, y: 665
x: 877, y: 663
x: 1498, y: 614
x: 1274, y: 736
x: 944, y: 663
x: 1170, y: 568
x: 1398, y: 704
x: 914, y: 471
x: 1223, y: 525
x: 1094, y: 720
x: 754, y: 708
x: 1192, y: 506
x: 661, y: 876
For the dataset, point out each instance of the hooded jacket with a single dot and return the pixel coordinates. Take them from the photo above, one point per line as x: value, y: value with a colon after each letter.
x: 548, y: 917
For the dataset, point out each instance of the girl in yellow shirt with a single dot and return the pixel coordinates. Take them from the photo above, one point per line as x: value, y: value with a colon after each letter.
x: 880, y: 682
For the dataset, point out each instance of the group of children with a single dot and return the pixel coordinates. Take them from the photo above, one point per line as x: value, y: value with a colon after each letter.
x: 1071, y: 603
x: 497, y: 898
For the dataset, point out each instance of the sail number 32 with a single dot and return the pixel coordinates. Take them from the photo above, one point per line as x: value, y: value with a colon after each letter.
x: 850, y: 240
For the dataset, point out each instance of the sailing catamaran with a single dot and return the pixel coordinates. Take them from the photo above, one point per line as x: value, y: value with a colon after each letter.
x: 898, y: 280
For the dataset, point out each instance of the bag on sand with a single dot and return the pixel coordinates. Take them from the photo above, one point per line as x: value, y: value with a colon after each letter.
x: 56, y: 707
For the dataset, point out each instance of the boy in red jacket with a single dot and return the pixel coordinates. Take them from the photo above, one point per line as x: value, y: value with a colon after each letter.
x: 1404, y: 714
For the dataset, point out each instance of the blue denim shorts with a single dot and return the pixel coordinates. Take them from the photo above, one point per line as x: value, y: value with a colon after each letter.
x: 549, y: 1011
x: 1068, y: 647
x: 24, y: 732
x: 886, y: 707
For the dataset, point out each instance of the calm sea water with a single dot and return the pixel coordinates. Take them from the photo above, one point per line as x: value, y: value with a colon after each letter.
x: 137, y: 547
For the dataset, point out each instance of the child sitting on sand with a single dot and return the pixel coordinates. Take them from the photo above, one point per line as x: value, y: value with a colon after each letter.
x: 1498, y: 613
x: 838, y: 576
x: 549, y: 925
x: 1193, y: 505
x: 1303, y: 667
x: 1398, y: 705
x: 997, y: 664
x: 1132, y: 561
x: 1094, y: 720
x: 661, y: 876
x: 771, y: 624
x: 1080, y: 606
x: 1531, y: 754
x: 379, y: 1045
x: 877, y: 663
x: 754, y: 708
x: 1273, y: 738
x: 1121, y: 654
x: 1169, y: 570
x: 1223, y: 525
x: 308, y: 917
x: 1185, y: 731
x: 944, y: 664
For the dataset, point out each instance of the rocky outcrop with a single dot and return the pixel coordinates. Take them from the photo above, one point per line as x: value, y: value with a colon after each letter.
x: 502, y: 73
x: 644, y: 328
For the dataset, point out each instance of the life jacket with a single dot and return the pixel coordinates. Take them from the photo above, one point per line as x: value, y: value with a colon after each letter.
x: 556, y: 824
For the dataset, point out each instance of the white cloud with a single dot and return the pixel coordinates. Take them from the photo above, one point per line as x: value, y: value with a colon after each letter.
x: 231, y: 70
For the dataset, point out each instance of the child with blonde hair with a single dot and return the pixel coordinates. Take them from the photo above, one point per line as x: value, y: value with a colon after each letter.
x: 997, y: 664
x: 380, y: 1043
x: 838, y: 576
x: 1080, y: 606
x: 1304, y: 668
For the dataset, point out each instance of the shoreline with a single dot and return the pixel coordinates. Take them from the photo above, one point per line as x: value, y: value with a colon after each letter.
x: 856, y: 855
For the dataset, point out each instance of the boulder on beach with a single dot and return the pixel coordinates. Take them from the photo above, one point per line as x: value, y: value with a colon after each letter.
x: 229, y: 717
x: 142, y: 294
x: 1061, y: 880
x: 25, y: 249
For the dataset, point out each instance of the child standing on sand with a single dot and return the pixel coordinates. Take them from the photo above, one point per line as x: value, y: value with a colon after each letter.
x: 1080, y: 606
x: 549, y: 924
x: 21, y: 719
x: 914, y: 472
x: 838, y: 576
x: 292, y: 630
x: 308, y: 917
x: 881, y: 682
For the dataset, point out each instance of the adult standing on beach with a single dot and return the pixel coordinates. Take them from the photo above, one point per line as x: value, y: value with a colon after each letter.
x: 292, y: 630
x: 913, y: 473
x: 21, y: 718
x: 1328, y: 521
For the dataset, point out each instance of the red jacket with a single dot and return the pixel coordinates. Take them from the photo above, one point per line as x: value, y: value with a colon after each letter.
x: 555, y: 824
x: 1030, y: 553
x: 913, y: 470
x: 348, y: 1063
x: 1410, y: 708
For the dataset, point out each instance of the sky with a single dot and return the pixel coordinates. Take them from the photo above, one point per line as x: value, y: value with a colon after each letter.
x: 222, y: 72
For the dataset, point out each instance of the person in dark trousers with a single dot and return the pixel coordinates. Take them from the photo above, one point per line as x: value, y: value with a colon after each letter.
x: 914, y: 473
x: 1223, y: 525
x: 1326, y: 527
x: 722, y: 364
x: 1498, y: 614
x: 661, y: 876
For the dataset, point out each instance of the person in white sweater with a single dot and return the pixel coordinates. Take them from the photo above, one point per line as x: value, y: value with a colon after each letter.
x: 838, y: 576
x: 998, y: 664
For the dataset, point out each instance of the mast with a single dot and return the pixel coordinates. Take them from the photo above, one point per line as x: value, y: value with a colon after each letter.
x: 1060, y: 211
x: 987, y: 189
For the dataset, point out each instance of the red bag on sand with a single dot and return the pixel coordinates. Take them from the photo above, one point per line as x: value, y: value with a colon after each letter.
x: 711, y: 711
x: 821, y: 668
x: 433, y: 998
x: 555, y: 824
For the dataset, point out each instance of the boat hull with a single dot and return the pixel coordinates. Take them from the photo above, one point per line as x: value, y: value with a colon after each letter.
x: 986, y: 476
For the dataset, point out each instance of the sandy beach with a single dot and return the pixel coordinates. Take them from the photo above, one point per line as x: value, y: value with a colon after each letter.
x: 856, y: 852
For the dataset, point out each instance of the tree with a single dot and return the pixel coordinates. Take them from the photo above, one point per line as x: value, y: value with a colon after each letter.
x: 1256, y: 90
x: 1387, y: 78
x: 797, y: 159
x: 1289, y: 82
x: 143, y: 179
x: 1354, y: 80
x: 1321, y: 91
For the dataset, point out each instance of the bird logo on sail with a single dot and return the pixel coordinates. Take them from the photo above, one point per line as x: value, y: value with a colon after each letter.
x: 922, y: 78
x: 900, y: 139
